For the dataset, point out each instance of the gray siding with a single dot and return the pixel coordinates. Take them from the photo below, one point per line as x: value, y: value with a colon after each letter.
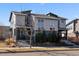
x: 20, y: 20
x: 62, y: 23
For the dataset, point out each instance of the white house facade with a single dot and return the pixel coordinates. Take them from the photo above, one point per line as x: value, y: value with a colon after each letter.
x: 36, y: 21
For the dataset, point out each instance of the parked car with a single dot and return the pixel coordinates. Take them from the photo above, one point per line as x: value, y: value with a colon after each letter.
x: 69, y: 43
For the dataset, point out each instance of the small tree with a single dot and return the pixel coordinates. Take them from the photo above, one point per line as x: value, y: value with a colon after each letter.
x: 52, y: 36
x: 39, y: 37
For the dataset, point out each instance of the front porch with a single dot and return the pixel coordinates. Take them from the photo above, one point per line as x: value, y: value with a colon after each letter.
x: 22, y: 35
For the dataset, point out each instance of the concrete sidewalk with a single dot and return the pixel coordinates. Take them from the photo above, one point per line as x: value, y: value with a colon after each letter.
x: 33, y: 49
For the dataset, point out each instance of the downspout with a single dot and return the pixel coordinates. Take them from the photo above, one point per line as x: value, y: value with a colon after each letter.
x: 74, y: 25
x: 58, y: 28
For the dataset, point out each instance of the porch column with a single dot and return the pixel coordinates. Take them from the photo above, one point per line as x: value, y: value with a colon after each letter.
x: 66, y: 34
x: 13, y: 35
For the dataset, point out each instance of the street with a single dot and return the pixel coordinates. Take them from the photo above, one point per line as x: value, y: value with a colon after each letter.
x: 43, y: 53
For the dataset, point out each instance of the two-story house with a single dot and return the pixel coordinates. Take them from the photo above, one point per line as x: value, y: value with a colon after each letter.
x: 73, y: 30
x: 21, y: 20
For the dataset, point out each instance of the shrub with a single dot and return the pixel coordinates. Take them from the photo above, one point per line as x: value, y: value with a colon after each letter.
x: 39, y: 37
x: 10, y: 41
x: 42, y: 37
x: 52, y: 36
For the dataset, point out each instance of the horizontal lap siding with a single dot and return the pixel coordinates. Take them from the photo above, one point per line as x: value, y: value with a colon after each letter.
x: 48, y: 23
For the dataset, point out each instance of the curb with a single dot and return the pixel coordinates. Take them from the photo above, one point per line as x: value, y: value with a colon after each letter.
x: 23, y: 50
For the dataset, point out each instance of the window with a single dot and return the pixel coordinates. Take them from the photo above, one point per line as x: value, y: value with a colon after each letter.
x: 50, y: 28
x: 62, y: 21
x: 40, y: 24
x: 40, y: 20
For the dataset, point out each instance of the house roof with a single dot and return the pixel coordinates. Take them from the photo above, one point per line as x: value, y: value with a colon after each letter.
x: 54, y: 15
x: 44, y: 16
x: 48, y: 16
x: 71, y: 22
x: 17, y: 13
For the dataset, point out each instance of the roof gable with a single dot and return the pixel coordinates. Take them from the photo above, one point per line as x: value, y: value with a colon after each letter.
x: 49, y: 15
x: 52, y: 14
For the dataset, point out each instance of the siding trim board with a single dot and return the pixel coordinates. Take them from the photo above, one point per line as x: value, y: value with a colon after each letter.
x: 46, y: 17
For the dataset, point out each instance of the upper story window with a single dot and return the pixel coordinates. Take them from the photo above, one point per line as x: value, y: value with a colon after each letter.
x: 40, y: 20
x: 62, y: 21
x: 40, y: 23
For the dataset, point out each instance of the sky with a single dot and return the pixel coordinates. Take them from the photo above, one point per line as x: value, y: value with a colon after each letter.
x: 67, y: 10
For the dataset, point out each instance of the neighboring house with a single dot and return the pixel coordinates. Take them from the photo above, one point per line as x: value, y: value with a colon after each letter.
x: 20, y: 20
x: 4, y: 32
x: 73, y: 30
